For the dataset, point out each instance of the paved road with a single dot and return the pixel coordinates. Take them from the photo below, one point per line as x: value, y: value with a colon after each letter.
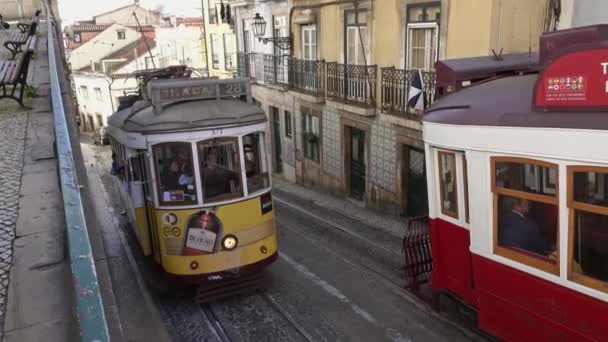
x: 327, y: 285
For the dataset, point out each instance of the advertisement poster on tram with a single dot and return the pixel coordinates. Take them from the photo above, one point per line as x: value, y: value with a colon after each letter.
x: 574, y: 80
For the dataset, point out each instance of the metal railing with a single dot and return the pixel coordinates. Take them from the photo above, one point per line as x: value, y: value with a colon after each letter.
x: 276, y: 70
x: 352, y: 83
x: 307, y: 76
x: 90, y: 314
x: 395, y: 86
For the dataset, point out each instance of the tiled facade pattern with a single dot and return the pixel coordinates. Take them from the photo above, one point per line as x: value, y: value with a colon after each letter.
x: 12, y: 142
x: 289, y: 152
x: 383, y: 157
x: 332, y: 146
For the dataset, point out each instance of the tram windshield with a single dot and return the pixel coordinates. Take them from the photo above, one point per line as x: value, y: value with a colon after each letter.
x: 220, y: 169
x: 175, y: 173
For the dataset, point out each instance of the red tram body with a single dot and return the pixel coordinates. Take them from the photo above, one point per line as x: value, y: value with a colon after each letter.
x: 517, y: 171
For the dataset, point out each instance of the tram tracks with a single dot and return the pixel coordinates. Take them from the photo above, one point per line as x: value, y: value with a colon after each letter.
x: 218, y: 330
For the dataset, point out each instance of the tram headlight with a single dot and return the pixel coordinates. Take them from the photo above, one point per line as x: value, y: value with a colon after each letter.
x: 229, y: 242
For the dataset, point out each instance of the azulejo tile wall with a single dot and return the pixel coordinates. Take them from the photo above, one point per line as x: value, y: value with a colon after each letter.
x: 332, y: 146
x: 383, y: 157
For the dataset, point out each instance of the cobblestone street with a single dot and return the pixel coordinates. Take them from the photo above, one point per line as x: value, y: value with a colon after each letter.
x: 12, y: 142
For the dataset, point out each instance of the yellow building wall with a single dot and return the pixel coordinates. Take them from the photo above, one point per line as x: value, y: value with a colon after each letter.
x: 469, y: 28
x: 330, y: 38
x: 521, y: 26
x: 386, y: 29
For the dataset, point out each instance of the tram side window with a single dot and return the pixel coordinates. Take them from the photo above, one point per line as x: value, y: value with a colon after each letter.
x: 174, y: 168
x: 256, y: 166
x: 588, y: 202
x: 135, y: 171
x: 526, y: 210
x: 220, y: 169
x: 447, y: 174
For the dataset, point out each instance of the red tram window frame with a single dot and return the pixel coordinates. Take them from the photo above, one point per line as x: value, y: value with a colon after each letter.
x: 573, y: 205
x: 538, y: 262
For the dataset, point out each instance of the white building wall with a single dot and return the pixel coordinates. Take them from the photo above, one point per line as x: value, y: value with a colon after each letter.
x: 576, y: 13
x: 107, y: 103
x: 179, y: 45
x: 100, y: 46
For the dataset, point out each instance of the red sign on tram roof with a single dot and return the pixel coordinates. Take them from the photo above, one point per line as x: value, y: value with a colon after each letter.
x: 574, y: 81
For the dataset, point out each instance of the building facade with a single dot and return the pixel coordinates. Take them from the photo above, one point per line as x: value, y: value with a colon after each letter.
x: 103, y: 56
x: 336, y: 98
x: 220, y: 41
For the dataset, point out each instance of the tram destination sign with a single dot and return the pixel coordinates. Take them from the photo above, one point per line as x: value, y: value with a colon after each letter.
x: 165, y: 92
x: 574, y: 81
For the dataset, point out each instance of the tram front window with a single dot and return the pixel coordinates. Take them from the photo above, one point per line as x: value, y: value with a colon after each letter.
x: 220, y: 169
x: 256, y: 166
x: 174, y: 169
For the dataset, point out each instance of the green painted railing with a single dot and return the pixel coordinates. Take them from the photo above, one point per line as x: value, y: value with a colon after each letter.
x: 89, y: 308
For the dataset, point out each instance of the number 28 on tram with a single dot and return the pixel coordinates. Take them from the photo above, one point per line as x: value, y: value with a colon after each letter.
x: 197, y: 182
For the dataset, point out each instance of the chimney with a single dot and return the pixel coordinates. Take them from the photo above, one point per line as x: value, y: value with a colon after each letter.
x: 136, y: 2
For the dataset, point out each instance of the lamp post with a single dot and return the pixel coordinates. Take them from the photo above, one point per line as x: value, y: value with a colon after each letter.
x: 258, y: 26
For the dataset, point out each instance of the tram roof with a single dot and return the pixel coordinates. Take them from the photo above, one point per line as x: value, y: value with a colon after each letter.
x: 189, y: 115
x: 507, y: 102
x: 188, y: 107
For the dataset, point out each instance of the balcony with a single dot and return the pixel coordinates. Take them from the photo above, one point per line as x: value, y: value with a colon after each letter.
x: 354, y: 84
x: 307, y: 76
x: 395, y: 85
x: 276, y: 70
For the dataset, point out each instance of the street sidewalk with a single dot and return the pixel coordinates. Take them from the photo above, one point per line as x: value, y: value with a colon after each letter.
x: 38, y: 303
x: 389, y: 224
x: 36, y: 284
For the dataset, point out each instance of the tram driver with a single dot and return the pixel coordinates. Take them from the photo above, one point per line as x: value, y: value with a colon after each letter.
x: 518, y: 230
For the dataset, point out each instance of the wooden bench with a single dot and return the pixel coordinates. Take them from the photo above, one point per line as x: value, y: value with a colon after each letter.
x: 17, y: 40
x: 24, y: 25
x: 14, y: 73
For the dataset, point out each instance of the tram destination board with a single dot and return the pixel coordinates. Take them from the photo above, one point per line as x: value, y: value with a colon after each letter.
x: 164, y: 92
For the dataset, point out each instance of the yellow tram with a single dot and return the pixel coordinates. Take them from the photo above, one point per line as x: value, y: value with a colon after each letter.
x: 193, y: 162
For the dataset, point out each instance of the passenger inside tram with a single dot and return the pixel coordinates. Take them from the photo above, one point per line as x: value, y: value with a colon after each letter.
x: 518, y: 227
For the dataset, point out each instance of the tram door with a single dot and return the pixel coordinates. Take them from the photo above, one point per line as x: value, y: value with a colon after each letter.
x: 136, y: 189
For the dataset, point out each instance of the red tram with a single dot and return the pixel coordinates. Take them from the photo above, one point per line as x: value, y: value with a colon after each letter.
x: 517, y: 171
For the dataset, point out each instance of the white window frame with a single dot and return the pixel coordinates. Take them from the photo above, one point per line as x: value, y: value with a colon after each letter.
x: 410, y: 28
x: 311, y: 30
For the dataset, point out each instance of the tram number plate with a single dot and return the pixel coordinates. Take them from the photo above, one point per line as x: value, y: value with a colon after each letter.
x: 201, y: 239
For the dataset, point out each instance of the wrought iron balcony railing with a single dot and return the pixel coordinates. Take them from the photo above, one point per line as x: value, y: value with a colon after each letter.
x: 307, y: 76
x: 352, y: 83
x: 276, y: 70
x: 395, y: 86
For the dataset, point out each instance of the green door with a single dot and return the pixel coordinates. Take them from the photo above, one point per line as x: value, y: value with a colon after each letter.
x: 357, y: 163
x: 417, y: 202
x: 277, y: 140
